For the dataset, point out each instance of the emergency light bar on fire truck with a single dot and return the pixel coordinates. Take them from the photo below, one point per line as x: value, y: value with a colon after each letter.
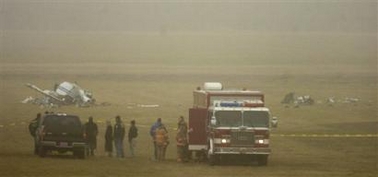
x: 245, y: 103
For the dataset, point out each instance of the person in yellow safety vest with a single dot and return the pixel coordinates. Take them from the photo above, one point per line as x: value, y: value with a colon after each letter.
x: 182, y: 140
x: 162, y: 141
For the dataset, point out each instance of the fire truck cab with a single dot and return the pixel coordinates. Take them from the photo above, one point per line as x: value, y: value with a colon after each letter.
x: 229, y: 123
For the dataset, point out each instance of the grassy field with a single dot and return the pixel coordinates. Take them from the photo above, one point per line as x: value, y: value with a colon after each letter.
x: 126, y: 70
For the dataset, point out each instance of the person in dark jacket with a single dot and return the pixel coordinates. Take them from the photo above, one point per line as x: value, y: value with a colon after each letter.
x: 91, y: 132
x: 182, y: 140
x: 109, y: 139
x: 133, y: 133
x: 33, y: 131
x: 119, y: 134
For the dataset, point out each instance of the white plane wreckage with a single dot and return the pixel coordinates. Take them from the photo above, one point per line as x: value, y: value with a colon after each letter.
x: 65, y: 93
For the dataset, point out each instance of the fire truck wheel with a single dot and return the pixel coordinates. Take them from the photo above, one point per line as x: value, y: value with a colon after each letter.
x: 262, y: 160
x: 214, y: 160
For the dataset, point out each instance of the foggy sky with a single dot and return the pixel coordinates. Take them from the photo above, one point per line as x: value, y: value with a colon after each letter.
x: 341, y: 16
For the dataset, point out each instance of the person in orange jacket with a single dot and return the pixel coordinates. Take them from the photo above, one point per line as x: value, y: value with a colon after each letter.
x: 162, y: 141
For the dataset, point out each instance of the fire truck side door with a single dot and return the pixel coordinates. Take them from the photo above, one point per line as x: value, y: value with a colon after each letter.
x: 197, y: 126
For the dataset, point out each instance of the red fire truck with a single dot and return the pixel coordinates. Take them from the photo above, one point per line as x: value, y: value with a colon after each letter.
x: 225, y: 123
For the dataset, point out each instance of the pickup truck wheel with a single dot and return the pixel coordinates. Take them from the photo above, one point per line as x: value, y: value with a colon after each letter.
x: 42, y: 151
x: 36, y: 149
x: 80, y: 153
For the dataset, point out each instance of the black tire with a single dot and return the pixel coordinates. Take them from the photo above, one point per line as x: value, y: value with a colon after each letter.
x: 36, y: 149
x: 80, y: 153
x: 213, y: 160
x: 262, y: 160
x: 42, y: 151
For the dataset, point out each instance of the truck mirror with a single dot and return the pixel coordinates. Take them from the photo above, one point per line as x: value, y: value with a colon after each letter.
x: 213, y: 121
x: 274, y: 122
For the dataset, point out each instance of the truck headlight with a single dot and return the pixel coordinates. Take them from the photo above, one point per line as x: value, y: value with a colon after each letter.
x: 262, y: 141
x: 224, y: 141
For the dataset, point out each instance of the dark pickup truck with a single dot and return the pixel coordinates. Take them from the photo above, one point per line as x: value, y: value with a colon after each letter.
x: 61, y: 133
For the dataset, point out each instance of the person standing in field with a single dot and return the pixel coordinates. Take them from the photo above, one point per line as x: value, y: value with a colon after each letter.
x: 182, y: 140
x: 119, y: 134
x: 162, y: 141
x: 91, y: 132
x: 109, y: 139
x: 152, y: 134
x: 133, y: 133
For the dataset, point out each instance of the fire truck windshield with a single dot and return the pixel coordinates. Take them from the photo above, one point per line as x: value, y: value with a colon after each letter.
x: 256, y: 118
x: 228, y: 118
x: 238, y: 118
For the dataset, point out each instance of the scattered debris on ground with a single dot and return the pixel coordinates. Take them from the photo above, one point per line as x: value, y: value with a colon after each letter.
x: 291, y: 99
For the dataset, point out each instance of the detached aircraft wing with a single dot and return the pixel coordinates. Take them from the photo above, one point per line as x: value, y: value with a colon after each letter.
x: 47, y: 93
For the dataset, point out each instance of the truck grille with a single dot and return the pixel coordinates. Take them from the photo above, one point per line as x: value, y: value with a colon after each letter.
x: 241, y: 138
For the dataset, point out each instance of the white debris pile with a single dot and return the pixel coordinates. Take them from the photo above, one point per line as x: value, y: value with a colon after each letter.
x: 65, y: 93
x: 42, y: 102
x: 139, y: 105
x: 291, y: 99
x: 346, y: 100
x: 304, y: 100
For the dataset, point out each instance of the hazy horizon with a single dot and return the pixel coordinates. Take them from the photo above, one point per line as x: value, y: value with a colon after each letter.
x: 181, y: 32
x: 165, y: 16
